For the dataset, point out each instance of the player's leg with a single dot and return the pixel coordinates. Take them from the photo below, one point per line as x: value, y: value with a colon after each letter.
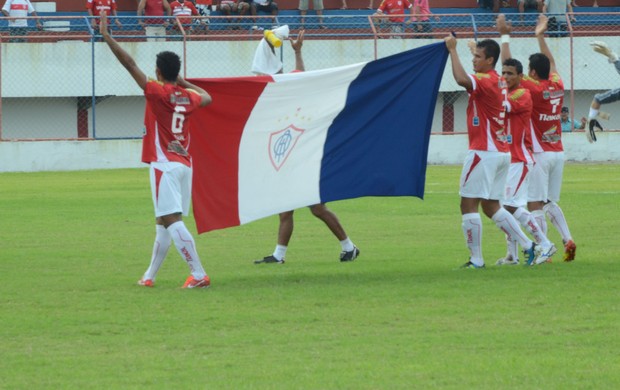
x: 553, y: 210
x: 174, y: 199
x: 349, y: 250
x: 285, y: 231
x: 162, y: 237
x: 473, y: 186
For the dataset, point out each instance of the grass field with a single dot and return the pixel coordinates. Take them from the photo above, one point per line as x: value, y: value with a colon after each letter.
x: 402, y: 316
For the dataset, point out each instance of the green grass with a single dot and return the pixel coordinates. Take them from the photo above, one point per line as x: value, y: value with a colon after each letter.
x: 402, y: 316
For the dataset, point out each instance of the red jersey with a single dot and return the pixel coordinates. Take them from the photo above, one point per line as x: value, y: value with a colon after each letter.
x: 547, y: 99
x: 168, y: 108
x: 182, y: 10
x: 486, y: 112
x: 154, y: 8
x: 96, y: 6
x: 395, y: 7
x: 518, y: 119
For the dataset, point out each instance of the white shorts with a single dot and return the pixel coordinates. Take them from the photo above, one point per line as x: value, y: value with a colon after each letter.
x: 171, y: 188
x: 517, y: 185
x: 484, y: 175
x: 546, y: 177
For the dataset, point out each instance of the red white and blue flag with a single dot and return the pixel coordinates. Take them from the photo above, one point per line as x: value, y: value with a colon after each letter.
x: 270, y: 144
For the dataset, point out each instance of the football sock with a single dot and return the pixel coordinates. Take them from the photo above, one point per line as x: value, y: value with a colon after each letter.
x: 186, y: 246
x: 472, y: 229
x: 280, y: 251
x: 526, y: 220
x: 556, y: 216
x: 160, y: 250
x: 509, y: 225
x: 593, y: 113
x: 541, y: 220
x: 347, y: 245
x: 513, y: 248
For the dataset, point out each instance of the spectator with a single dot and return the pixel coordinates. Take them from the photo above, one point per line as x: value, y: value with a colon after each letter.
x: 318, y: 7
x: 396, y: 8
x: 269, y: 6
x: 19, y: 9
x: 555, y: 9
x: 229, y: 7
x: 96, y: 7
x: 154, y: 28
x: 529, y: 4
x: 568, y: 123
x: 422, y: 12
x: 183, y: 10
x: 204, y: 8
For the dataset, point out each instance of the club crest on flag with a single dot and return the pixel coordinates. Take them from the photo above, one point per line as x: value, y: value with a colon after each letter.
x: 281, y: 145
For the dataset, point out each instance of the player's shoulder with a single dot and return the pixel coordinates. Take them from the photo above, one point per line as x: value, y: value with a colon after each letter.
x: 555, y: 78
x: 519, y: 94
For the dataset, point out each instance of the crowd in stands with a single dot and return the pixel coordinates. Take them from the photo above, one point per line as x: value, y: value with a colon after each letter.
x: 188, y: 15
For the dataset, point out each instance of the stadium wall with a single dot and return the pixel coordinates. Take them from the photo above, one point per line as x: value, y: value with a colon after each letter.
x: 28, y: 156
x: 53, y: 87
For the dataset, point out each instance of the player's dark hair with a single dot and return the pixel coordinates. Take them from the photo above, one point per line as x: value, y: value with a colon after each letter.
x: 491, y: 49
x: 540, y: 63
x: 169, y: 65
x: 516, y: 63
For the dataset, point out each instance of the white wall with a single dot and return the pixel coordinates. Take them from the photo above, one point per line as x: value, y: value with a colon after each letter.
x: 80, y: 155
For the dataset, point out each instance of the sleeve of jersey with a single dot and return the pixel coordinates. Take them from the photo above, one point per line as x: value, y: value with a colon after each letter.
x: 520, y: 101
x: 113, y: 5
x: 89, y: 4
x: 557, y: 80
x: 193, y: 9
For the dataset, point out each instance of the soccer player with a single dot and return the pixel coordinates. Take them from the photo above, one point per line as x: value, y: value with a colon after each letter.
x: 518, y: 114
x: 547, y: 91
x: 483, y: 177
x: 170, y: 101
x: 613, y: 95
x: 349, y: 251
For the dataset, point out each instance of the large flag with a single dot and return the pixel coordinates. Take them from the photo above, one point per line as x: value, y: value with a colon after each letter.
x: 270, y: 144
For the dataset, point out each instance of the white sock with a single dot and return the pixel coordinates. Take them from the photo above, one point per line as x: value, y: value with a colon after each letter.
x: 556, y: 216
x: 280, y: 252
x: 541, y: 220
x: 347, y: 245
x: 509, y: 225
x: 513, y: 248
x: 472, y: 229
x: 593, y: 113
x: 160, y: 250
x: 186, y: 246
x: 527, y: 220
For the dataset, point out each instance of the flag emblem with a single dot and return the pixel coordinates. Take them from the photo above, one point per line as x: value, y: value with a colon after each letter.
x: 281, y: 145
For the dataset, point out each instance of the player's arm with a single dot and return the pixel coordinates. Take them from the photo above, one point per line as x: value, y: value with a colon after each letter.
x: 460, y: 76
x: 504, y: 28
x: 140, y: 12
x: 123, y: 57
x: 296, y: 44
x: 205, y: 98
x: 541, y: 28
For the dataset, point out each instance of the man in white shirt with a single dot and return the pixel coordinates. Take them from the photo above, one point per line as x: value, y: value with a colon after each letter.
x: 19, y: 9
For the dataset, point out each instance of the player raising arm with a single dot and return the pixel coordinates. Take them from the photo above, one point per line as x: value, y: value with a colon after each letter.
x: 483, y: 177
x: 547, y: 91
x: 170, y: 101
